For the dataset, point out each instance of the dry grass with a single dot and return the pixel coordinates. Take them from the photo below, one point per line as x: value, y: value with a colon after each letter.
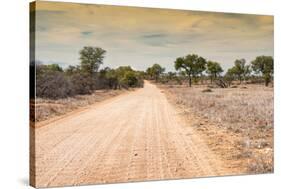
x: 243, y: 116
x: 236, y: 109
x: 47, y: 108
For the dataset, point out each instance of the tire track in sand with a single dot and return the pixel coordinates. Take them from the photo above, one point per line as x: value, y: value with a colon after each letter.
x: 133, y: 137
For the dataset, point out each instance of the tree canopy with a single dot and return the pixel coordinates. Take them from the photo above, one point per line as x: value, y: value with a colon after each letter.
x: 155, y: 71
x: 240, y: 69
x: 213, y: 69
x: 191, y: 65
x: 91, y: 59
x: 263, y: 65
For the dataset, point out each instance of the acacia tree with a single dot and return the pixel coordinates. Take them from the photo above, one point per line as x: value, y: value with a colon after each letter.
x: 112, y: 78
x: 229, y: 75
x: 155, y: 71
x: 91, y: 58
x: 264, y: 65
x: 247, y: 72
x: 240, y: 69
x: 213, y: 69
x: 190, y: 65
x: 123, y: 77
x: 200, y: 67
x: 149, y: 72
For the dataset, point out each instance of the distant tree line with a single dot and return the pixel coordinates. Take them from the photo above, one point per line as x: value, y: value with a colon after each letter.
x: 54, y: 82
x: 192, y: 68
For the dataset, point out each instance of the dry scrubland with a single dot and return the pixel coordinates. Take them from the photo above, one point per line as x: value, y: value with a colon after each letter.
x: 236, y: 122
x: 49, y: 108
x: 141, y: 138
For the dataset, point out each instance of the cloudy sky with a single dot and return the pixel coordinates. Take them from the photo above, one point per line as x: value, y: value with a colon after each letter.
x: 140, y: 37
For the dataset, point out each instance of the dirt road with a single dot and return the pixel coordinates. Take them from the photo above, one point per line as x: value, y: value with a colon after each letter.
x: 133, y: 137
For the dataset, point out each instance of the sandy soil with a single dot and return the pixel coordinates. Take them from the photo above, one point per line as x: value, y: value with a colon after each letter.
x: 132, y: 137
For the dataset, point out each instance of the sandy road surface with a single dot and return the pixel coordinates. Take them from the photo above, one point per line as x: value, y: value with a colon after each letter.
x: 133, y: 137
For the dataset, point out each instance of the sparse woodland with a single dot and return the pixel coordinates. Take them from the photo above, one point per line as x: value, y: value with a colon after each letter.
x: 234, y: 111
x: 126, y: 94
x: 238, y: 101
x: 194, y: 69
x: 53, y: 82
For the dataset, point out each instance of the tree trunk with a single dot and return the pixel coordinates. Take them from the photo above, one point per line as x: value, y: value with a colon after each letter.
x: 189, y: 79
x: 267, y: 80
x: 202, y: 79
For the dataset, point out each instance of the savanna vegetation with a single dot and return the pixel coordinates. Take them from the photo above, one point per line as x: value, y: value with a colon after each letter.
x: 236, y: 102
x: 193, y: 68
x: 232, y: 108
x: 54, y: 82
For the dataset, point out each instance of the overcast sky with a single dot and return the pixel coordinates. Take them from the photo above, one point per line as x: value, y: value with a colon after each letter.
x: 140, y: 37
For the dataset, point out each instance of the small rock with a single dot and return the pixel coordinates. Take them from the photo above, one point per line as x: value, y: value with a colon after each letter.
x: 207, y: 90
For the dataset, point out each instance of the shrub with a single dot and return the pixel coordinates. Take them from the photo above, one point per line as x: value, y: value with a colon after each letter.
x: 53, y: 84
x: 82, y: 83
x: 130, y: 79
